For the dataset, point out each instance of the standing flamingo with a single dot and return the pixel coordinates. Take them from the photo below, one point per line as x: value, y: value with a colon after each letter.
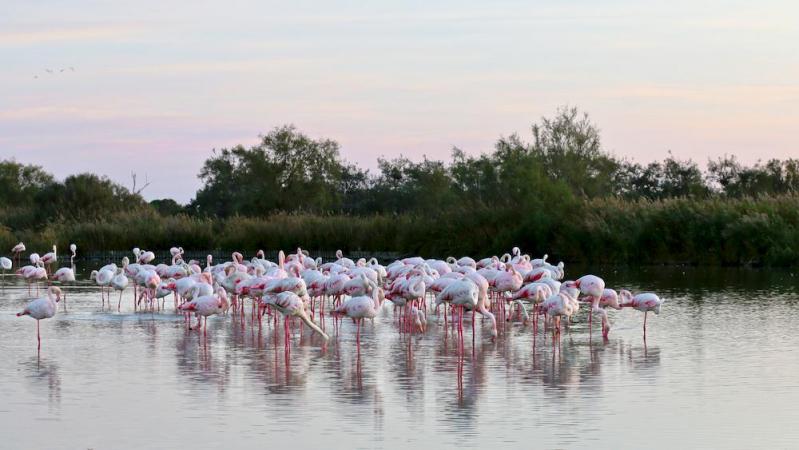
x: 562, y: 304
x: 42, y: 308
x: 64, y: 275
x: 33, y: 274
x: 361, y: 307
x: 462, y: 294
x: 49, y: 258
x: 207, y: 305
x: 17, y: 250
x: 103, y: 279
x: 290, y: 305
x: 593, y: 287
x: 5, y: 264
x: 643, y: 302
x: 74, y: 249
x: 119, y: 283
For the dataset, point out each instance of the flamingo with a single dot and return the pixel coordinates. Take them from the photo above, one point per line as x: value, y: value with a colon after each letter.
x: 146, y: 257
x: 562, y: 304
x: 341, y: 260
x: 64, y: 275
x: 361, y: 307
x: 17, y: 250
x: 207, y: 305
x: 593, y: 287
x: 289, y: 304
x: 482, y: 299
x: 42, y: 308
x: 463, y: 294
x: 49, y: 258
x: 103, y: 279
x: 644, y: 302
x: 5, y: 264
x: 149, y: 281
x: 33, y: 273
x: 534, y: 293
x: 609, y: 299
x: 73, y: 249
x: 119, y: 283
x: 508, y: 280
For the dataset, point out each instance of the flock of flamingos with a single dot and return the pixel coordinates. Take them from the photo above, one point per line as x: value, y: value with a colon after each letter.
x: 513, y: 287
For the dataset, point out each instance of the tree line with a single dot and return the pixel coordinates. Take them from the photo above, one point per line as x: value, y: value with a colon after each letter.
x: 558, y: 191
x: 288, y: 171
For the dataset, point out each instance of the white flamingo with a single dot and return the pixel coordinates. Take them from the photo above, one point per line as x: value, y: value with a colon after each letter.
x: 42, y: 308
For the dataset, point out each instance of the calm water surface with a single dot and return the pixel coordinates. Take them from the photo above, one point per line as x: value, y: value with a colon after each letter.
x: 719, y: 369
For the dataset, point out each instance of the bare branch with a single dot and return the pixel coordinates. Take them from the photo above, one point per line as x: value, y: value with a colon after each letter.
x: 135, y: 191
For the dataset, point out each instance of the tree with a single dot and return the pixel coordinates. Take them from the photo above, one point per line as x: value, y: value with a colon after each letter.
x: 19, y: 183
x: 286, y: 171
x: 84, y: 197
x: 570, y: 149
x: 167, y: 207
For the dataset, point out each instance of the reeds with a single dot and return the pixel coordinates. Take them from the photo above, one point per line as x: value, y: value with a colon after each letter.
x: 715, y: 231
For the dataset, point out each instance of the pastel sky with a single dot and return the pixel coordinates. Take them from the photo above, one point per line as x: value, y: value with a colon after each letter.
x: 157, y: 84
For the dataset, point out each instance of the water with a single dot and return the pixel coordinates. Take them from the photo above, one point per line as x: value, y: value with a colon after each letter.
x: 719, y: 369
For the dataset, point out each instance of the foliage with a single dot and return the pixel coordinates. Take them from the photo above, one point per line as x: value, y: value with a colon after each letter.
x: 558, y: 193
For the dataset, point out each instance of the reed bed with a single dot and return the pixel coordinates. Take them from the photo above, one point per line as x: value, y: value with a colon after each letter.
x: 714, y: 231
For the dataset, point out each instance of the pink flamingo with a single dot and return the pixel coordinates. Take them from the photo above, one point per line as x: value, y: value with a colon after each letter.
x: 49, y: 258
x: 482, y: 298
x: 461, y: 294
x: 508, y: 280
x: 103, y: 279
x: 119, y: 283
x: 290, y: 305
x: 5, y: 264
x: 593, y: 287
x: 361, y: 307
x: 64, y: 275
x: 33, y: 274
x: 534, y: 293
x: 146, y: 257
x: 207, y: 305
x: 644, y: 302
x: 42, y: 308
x: 562, y: 304
x: 341, y: 260
x: 609, y: 299
x: 537, y: 274
x: 17, y: 250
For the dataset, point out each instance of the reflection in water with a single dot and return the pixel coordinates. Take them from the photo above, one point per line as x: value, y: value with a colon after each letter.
x: 242, y: 386
x: 43, y: 377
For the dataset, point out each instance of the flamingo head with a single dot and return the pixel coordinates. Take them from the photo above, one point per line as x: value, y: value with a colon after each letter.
x: 55, y: 290
x: 223, y: 301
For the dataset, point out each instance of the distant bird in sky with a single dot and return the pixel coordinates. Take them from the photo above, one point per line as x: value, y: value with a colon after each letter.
x: 61, y: 70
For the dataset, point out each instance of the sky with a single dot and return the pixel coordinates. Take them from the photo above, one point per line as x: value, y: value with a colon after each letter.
x: 155, y: 86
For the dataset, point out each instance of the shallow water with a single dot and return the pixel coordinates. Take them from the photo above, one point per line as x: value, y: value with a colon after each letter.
x: 718, y: 369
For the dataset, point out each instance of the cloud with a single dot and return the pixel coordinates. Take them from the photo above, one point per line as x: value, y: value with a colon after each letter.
x: 743, y: 93
x: 68, y: 34
x: 80, y: 113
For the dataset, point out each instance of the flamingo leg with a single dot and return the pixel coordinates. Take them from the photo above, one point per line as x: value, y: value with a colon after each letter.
x: 473, y: 326
x: 38, y: 337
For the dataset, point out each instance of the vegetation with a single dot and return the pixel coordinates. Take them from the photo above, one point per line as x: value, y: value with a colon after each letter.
x: 560, y: 193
